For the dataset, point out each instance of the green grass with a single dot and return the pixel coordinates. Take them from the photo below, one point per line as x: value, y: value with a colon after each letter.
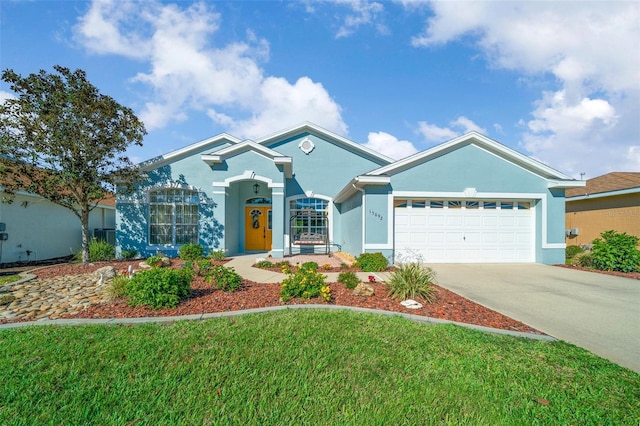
x: 7, y: 279
x: 304, y: 367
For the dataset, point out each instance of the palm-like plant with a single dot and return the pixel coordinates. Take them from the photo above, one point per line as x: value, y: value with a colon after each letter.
x: 412, y: 280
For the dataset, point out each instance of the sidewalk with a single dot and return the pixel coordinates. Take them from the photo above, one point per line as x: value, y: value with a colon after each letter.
x: 243, y: 265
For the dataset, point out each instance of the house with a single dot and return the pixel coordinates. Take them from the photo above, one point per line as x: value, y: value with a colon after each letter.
x: 306, y: 189
x: 610, y: 201
x: 33, y: 228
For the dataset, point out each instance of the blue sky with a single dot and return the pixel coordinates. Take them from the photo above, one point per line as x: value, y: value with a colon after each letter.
x: 558, y: 81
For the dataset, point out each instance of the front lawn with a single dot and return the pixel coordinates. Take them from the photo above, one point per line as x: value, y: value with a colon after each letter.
x: 304, y: 367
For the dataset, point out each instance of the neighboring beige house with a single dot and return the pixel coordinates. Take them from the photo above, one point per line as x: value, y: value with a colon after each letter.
x: 610, y: 201
x: 37, y: 229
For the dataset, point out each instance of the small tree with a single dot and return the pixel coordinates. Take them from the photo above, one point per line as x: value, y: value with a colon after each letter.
x: 63, y: 140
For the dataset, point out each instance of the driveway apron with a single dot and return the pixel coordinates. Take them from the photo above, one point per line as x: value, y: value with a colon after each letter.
x: 598, y: 312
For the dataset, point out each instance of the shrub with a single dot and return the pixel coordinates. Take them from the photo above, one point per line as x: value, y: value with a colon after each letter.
x: 584, y: 259
x: 412, y: 280
x: 158, y: 287
x: 118, y: 286
x: 305, y: 283
x: 129, y: 254
x: 154, y: 261
x: 264, y: 264
x: 344, y: 266
x: 349, y: 280
x: 190, y: 252
x: 372, y: 262
x: 282, y: 264
x: 99, y: 250
x: 218, y: 255
x: 571, y: 251
x: 616, y: 252
x: 310, y: 265
x: 225, y: 279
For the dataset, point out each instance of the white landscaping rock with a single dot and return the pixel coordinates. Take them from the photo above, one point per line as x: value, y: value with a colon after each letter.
x: 411, y: 304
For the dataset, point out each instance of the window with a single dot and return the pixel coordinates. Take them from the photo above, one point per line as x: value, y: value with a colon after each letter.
x: 472, y: 205
x: 454, y: 204
x: 309, y: 216
x: 489, y: 205
x: 400, y: 203
x: 504, y: 205
x: 436, y: 204
x: 173, y: 216
x: 418, y: 204
x: 523, y: 205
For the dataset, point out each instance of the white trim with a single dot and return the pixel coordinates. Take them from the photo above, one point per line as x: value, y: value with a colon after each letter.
x: 183, y: 152
x: 325, y: 134
x: 250, y: 146
x: 544, y: 244
x: 287, y: 217
x: 615, y: 193
x: 481, y: 141
x: 248, y: 175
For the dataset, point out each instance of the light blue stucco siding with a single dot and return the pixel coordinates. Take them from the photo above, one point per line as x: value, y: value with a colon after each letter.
x: 233, y: 182
x: 322, y: 173
x: 326, y: 169
x: 470, y: 166
x: 351, y: 225
x: 132, y: 210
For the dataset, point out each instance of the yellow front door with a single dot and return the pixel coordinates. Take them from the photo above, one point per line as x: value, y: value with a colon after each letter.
x: 257, y: 228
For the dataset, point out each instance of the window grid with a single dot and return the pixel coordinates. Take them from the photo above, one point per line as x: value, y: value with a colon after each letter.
x: 173, y: 216
x: 310, y: 216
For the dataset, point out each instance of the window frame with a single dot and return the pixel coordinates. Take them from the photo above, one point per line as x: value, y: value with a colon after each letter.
x: 182, y: 207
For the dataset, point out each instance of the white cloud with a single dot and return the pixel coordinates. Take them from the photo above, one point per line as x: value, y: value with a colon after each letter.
x: 389, y: 145
x: 6, y: 95
x: 459, y: 126
x: 591, y: 51
x: 187, y: 74
x: 362, y: 13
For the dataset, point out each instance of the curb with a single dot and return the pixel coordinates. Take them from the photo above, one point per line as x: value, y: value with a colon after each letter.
x: 143, y: 320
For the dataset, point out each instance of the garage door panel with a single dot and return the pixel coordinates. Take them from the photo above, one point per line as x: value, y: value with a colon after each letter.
x: 465, y: 235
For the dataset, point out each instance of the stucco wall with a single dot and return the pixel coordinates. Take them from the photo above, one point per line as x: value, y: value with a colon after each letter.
x: 351, y: 221
x: 596, y: 215
x: 45, y: 229
x: 472, y: 167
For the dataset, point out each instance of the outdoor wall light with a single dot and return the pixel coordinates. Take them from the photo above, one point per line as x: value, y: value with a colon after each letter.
x: 256, y: 188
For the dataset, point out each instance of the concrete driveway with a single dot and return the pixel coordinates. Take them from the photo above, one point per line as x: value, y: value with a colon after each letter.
x: 598, y: 312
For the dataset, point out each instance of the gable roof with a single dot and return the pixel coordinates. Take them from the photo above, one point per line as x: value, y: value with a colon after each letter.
x: 279, y: 159
x: 186, y: 151
x: 555, y: 178
x: 614, y: 183
x: 316, y: 130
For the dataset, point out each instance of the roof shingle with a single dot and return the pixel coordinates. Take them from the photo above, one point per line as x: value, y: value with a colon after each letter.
x: 614, y: 181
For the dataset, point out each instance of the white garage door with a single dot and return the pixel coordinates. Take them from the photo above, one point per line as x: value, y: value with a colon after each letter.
x: 458, y: 231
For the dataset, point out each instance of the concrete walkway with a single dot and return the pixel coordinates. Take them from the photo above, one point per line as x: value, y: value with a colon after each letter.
x: 598, y: 312
x: 243, y: 266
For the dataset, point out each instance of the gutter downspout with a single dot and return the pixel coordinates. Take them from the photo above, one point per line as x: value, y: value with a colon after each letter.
x: 364, y: 212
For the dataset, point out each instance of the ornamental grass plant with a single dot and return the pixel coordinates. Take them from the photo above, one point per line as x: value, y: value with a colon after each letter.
x: 412, y: 280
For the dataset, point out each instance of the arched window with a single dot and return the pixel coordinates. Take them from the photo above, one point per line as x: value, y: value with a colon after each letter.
x: 173, y: 216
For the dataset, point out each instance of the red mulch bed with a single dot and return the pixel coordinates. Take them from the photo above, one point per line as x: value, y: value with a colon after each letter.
x: 632, y: 275
x: 205, y: 299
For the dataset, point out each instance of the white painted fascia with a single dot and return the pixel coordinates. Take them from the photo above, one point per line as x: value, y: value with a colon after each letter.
x: 604, y: 194
x: 357, y: 183
x: 315, y: 129
x: 481, y: 141
x: 186, y: 151
x: 552, y: 184
x: 276, y: 157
